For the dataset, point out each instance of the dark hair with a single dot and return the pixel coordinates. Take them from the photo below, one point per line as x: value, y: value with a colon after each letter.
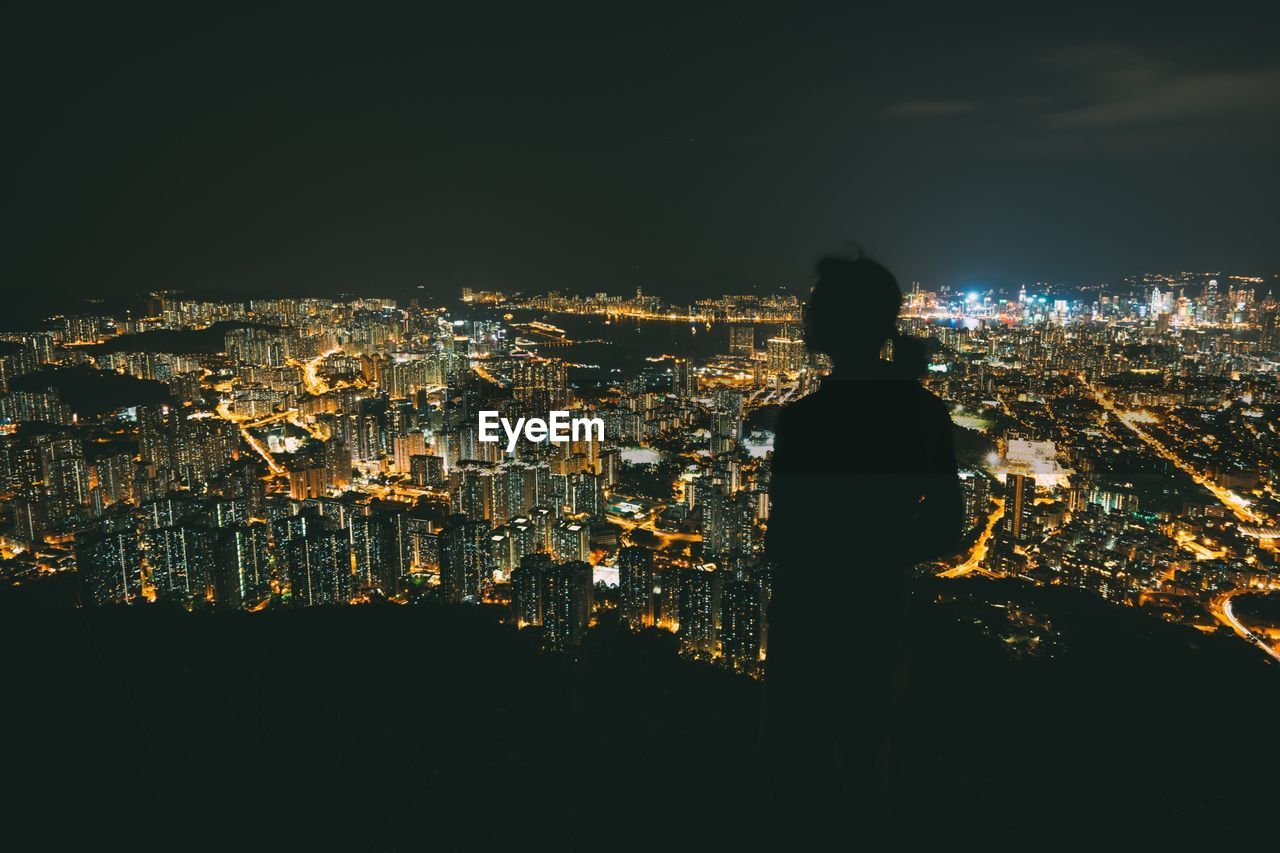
x: 852, y: 308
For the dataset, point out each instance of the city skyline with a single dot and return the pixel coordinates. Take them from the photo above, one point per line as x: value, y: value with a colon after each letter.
x: 293, y: 497
x: 684, y: 426
x: 376, y: 411
x: 133, y: 305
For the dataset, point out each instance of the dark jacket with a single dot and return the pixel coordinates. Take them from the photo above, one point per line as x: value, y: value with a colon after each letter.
x: 863, y: 486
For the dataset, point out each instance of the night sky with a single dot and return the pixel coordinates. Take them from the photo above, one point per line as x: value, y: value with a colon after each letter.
x: 689, y: 152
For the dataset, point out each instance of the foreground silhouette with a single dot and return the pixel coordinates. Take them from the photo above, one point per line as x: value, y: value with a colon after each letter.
x: 863, y: 486
x: 141, y: 728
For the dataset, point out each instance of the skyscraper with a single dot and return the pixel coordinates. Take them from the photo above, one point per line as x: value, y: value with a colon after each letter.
x: 683, y: 380
x: 699, y: 608
x: 566, y: 604
x: 571, y: 540
x: 66, y: 480
x: 182, y: 562
x: 243, y: 574
x: 539, y: 385
x: 526, y: 589
x: 109, y: 566
x: 741, y: 625
x: 319, y: 567
x: 370, y: 548
x: 1021, y: 494
x: 466, y: 564
x: 635, y: 586
x: 786, y: 351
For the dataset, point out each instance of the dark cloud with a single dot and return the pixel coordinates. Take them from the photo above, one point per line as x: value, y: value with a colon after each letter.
x: 1093, y: 98
x: 1120, y: 87
x: 931, y: 109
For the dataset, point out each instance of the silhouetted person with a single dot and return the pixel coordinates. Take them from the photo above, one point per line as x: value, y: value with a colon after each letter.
x: 863, y: 486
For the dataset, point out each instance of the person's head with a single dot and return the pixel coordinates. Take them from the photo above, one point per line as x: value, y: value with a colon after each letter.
x: 852, y: 308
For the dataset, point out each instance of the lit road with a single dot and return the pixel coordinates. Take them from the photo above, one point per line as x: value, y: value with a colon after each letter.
x: 1221, y: 609
x: 252, y: 440
x: 980, y: 548
x: 310, y: 378
x: 483, y: 372
x: 224, y: 412
x: 1186, y: 540
x: 1228, y: 498
x: 664, y: 537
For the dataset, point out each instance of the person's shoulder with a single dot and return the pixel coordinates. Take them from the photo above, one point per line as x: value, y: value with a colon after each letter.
x: 929, y: 400
x: 936, y: 414
x: 803, y: 404
x: 800, y: 410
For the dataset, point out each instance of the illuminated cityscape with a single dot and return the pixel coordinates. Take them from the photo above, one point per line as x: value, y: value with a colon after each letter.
x: 1120, y: 439
x: 516, y: 426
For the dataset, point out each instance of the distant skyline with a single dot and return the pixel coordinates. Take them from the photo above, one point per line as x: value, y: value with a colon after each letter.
x: 688, y: 151
x: 37, y: 311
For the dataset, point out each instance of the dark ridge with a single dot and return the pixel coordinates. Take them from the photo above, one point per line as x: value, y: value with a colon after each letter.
x: 407, y: 728
x: 91, y: 392
x: 208, y: 341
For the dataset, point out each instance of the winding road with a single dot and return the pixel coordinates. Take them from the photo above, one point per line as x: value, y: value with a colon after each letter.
x: 1221, y: 608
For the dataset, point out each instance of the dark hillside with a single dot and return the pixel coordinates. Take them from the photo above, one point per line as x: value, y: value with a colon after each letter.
x: 404, y: 728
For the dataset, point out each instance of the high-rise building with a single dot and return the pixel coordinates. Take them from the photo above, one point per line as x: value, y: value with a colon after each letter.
x: 786, y: 351
x: 977, y: 497
x: 408, y: 446
x: 188, y: 451
x: 724, y: 432
x: 698, y: 608
x: 742, y: 340
x: 370, y: 546
x: 308, y: 479
x: 28, y: 519
x: 741, y: 625
x: 540, y: 385
x: 398, y: 553
x: 109, y: 566
x: 1021, y: 494
x: 243, y: 574
x: 66, y: 480
x: 466, y: 568
x: 319, y: 567
x: 728, y: 521
x: 255, y: 346
x: 115, y: 475
x: 635, y: 586
x: 182, y: 561
x: 566, y: 604
x: 526, y: 589
x: 337, y: 464
x: 684, y: 382
x: 424, y: 544
x: 571, y: 541
x: 666, y: 598
x: 426, y: 470
x: 587, y: 495
x: 474, y: 494
x: 82, y: 329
